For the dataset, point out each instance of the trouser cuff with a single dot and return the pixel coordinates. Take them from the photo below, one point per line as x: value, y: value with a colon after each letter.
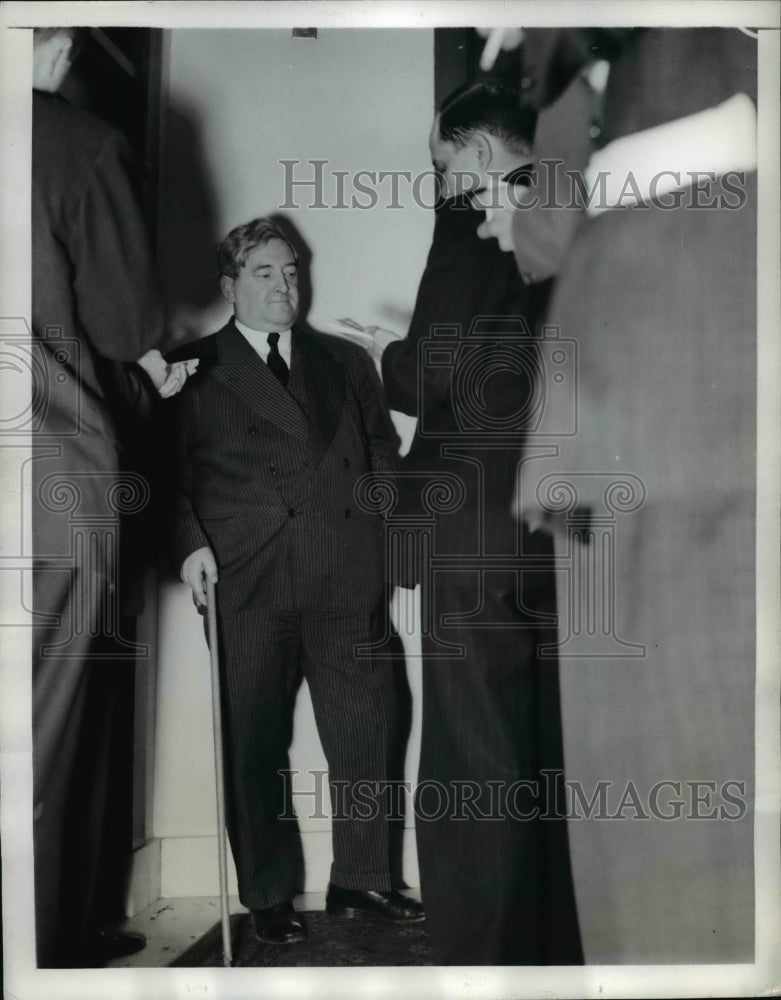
x: 362, y: 881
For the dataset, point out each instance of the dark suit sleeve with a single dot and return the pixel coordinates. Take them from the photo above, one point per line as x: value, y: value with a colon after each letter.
x: 551, y: 58
x: 382, y: 440
x: 542, y: 233
x: 463, y: 274
x: 400, y: 359
x: 114, y: 278
x: 187, y: 535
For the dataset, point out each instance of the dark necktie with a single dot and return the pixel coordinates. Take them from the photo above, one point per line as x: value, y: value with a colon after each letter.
x: 275, y: 361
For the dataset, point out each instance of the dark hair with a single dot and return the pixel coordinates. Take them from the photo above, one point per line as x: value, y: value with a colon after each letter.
x: 78, y: 37
x: 486, y: 106
x: 232, y: 253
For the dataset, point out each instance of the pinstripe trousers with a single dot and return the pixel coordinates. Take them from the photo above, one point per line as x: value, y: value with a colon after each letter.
x: 265, y: 653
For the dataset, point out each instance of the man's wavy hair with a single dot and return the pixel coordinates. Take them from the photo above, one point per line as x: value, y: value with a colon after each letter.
x: 232, y: 253
x: 487, y: 106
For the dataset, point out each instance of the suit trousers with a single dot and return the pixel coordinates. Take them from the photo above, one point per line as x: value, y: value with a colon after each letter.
x: 495, y: 875
x: 74, y: 690
x: 265, y: 653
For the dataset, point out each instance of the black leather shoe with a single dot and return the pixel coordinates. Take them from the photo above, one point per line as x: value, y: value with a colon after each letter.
x: 278, y: 924
x: 103, y: 946
x: 354, y: 904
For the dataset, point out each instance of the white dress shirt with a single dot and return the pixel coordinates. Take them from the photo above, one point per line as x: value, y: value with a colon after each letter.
x: 259, y: 340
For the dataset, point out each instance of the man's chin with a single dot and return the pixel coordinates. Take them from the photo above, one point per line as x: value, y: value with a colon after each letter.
x: 284, y: 317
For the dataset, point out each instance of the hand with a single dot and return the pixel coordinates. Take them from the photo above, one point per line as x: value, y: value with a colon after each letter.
x: 498, y: 38
x: 178, y: 373
x: 167, y: 379
x: 537, y: 519
x: 380, y: 340
x: 197, y: 566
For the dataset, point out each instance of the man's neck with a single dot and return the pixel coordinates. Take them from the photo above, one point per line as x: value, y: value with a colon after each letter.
x: 253, y: 329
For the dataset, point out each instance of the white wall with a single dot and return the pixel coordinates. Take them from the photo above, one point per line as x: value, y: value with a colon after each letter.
x: 235, y: 104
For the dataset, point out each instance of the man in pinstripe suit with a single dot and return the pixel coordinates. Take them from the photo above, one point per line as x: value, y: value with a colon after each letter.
x: 272, y: 437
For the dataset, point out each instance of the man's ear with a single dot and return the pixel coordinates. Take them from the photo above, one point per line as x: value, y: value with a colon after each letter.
x: 226, y: 287
x: 62, y: 55
x: 483, y: 150
x: 51, y: 61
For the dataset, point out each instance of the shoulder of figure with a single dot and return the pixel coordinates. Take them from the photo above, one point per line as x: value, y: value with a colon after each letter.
x: 205, y: 349
x: 336, y: 347
x: 57, y: 121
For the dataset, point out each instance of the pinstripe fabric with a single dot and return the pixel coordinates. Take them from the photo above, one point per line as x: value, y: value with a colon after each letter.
x: 267, y: 479
x: 271, y: 492
x: 265, y: 654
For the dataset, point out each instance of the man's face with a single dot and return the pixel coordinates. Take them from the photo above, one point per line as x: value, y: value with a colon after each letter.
x: 265, y: 293
x: 450, y: 161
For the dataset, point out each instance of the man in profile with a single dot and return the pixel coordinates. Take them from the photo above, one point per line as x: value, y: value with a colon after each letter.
x: 273, y: 436
x: 496, y: 883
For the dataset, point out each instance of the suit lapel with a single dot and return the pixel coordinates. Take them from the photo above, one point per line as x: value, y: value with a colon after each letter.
x: 323, y: 379
x: 242, y: 371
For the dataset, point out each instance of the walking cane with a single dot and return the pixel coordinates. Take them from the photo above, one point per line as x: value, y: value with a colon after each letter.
x: 222, y: 848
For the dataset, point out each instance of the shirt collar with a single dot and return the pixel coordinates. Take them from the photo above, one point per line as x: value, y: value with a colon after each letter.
x: 284, y: 336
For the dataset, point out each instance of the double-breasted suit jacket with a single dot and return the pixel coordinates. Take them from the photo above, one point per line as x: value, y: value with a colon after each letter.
x: 268, y: 474
x: 268, y: 481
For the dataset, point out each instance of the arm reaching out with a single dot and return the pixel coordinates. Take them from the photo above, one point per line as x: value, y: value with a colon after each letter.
x: 167, y: 379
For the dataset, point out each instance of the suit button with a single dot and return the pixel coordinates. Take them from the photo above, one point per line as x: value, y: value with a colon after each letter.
x: 291, y: 513
x: 347, y: 463
x: 272, y: 468
x: 527, y: 82
x: 347, y: 512
x: 252, y: 430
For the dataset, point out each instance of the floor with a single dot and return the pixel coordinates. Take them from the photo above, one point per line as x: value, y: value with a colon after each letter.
x: 172, y: 925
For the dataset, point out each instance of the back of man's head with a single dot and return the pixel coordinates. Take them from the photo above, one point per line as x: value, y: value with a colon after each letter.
x: 54, y: 50
x: 486, y: 106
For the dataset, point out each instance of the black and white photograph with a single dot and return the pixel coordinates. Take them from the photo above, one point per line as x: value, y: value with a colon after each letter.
x: 389, y: 521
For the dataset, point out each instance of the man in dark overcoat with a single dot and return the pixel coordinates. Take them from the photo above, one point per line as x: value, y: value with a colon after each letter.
x: 658, y: 287
x: 96, y: 311
x: 495, y: 877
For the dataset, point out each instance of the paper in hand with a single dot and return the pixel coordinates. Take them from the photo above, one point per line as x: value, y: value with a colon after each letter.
x: 350, y: 330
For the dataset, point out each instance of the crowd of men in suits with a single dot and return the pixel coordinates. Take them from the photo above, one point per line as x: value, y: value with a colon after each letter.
x: 277, y: 428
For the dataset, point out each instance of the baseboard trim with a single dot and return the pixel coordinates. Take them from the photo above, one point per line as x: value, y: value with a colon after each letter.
x: 189, y: 866
x: 144, y: 884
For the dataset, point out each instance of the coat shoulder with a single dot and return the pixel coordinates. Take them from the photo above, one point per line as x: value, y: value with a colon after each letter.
x: 340, y: 350
x: 61, y: 129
